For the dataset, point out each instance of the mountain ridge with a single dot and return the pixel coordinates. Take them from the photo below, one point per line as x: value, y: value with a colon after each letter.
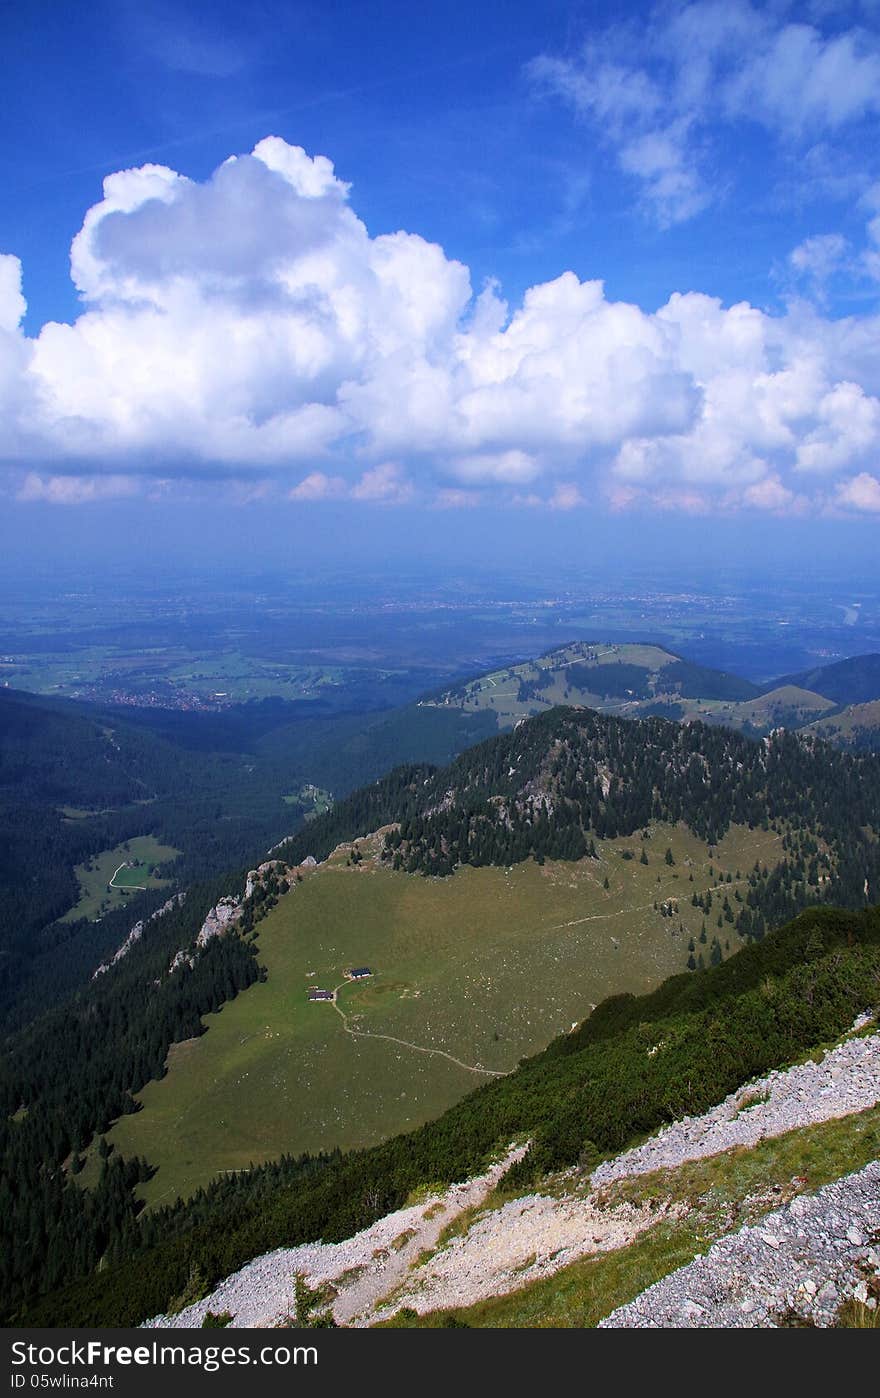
x: 855, y: 680
x: 640, y: 680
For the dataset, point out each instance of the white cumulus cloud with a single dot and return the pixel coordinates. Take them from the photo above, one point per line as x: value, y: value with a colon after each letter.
x: 861, y: 493
x: 250, y: 327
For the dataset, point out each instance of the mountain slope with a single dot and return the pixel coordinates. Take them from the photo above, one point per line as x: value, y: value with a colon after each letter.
x: 853, y: 681
x: 613, y: 677
x: 587, y: 1096
x: 640, y: 681
x: 857, y: 726
x: 474, y: 1247
x: 561, y: 786
x: 784, y: 706
x: 583, y: 850
x: 569, y: 776
x: 643, y: 681
x: 469, y: 974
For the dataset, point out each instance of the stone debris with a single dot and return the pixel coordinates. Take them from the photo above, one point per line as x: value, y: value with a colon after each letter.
x: 846, y: 1080
x: 218, y: 920
x: 794, y: 1268
x: 524, y: 1241
x: 137, y: 932
x: 364, y: 1268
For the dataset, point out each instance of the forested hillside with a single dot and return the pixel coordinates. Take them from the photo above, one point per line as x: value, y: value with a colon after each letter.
x: 50, y: 760
x: 66, y: 1077
x: 853, y: 681
x: 74, y: 783
x: 589, y: 1094
x: 77, y: 779
x: 566, y: 778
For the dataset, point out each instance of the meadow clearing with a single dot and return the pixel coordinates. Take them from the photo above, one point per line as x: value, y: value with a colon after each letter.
x: 103, y: 883
x: 486, y: 966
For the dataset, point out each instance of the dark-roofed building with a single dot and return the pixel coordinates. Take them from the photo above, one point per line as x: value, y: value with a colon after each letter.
x: 359, y: 973
x: 320, y: 994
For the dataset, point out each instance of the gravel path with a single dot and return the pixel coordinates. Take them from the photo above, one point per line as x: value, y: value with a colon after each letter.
x: 371, y: 1264
x: 418, y: 1048
x: 800, y: 1261
x: 523, y: 1241
x: 847, y: 1080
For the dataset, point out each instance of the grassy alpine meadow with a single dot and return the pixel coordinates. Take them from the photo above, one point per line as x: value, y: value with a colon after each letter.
x: 104, y: 879
x: 470, y: 974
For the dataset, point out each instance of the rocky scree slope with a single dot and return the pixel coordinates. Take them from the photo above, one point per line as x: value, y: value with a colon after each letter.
x: 795, y: 1268
x: 800, y: 1261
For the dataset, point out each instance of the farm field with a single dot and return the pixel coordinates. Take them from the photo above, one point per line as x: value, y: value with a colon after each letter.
x: 94, y: 878
x: 217, y: 677
x: 485, y: 967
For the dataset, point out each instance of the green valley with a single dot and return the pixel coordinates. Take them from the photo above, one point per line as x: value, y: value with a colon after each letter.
x: 484, y: 967
x: 107, y: 880
x: 589, y: 1094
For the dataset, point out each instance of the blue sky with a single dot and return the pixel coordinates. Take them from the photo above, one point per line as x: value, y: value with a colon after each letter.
x: 375, y: 263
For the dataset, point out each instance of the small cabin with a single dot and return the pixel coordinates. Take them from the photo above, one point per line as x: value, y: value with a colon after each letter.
x: 359, y: 973
x: 320, y: 994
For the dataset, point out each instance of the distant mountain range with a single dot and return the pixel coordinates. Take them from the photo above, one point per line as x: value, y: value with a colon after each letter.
x: 634, y: 681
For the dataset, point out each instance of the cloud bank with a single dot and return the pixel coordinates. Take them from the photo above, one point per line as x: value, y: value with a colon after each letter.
x: 250, y: 327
